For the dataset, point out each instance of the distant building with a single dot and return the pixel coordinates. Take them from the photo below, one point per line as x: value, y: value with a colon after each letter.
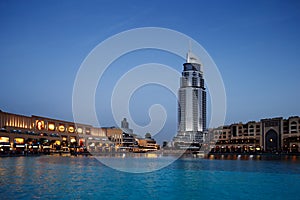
x: 191, y: 105
x: 147, y: 144
x: 125, y: 126
x: 266, y: 135
x: 129, y: 142
x: 124, y: 123
x: 114, y: 135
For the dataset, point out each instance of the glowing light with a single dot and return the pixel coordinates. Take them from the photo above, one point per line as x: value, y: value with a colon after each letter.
x: 72, y: 140
x: 4, y: 139
x: 19, y: 140
x: 79, y: 130
x: 61, y: 128
x: 40, y: 125
x: 71, y: 129
x: 151, y: 155
x: 51, y: 126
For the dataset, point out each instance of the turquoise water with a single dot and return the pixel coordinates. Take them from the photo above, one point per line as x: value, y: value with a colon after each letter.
x: 54, y: 177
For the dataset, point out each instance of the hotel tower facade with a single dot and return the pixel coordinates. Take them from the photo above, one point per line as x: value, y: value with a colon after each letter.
x: 191, y: 104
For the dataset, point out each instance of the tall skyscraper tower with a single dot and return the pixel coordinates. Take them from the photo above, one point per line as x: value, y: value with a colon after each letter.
x: 191, y: 103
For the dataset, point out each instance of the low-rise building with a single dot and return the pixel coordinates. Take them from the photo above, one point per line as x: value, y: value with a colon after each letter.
x: 24, y: 134
x: 33, y: 133
x: 147, y: 144
x: 267, y: 135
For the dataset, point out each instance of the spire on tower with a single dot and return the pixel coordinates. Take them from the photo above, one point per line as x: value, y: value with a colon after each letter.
x: 192, y: 58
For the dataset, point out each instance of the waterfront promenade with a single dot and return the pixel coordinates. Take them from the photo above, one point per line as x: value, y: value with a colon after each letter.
x: 165, y: 153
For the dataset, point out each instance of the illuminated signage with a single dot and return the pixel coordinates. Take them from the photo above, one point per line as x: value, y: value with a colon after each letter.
x: 39, y: 124
x: 51, y: 126
x: 71, y: 129
x: 61, y: 128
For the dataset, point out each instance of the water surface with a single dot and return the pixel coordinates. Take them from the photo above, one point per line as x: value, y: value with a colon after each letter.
x: 86, y: 178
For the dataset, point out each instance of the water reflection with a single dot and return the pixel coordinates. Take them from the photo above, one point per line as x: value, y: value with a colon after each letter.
x: 252, y: 157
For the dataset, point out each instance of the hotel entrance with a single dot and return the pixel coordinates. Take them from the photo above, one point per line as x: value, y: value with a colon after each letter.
x: 271, y: 141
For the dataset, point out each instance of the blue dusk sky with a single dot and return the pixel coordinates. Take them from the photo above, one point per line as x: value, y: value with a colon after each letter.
x: 255, y: 45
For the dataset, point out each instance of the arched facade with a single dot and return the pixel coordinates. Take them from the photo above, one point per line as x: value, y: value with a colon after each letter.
x: 271, y: 141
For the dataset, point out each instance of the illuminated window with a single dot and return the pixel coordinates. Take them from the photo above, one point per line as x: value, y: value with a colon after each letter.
x: 71, y: 129
x: 61, y: 128
x: 79, y: 130
x: 72, y: 139
x: 19, y: 140
x: 4, y: 139
x: 51, y: 126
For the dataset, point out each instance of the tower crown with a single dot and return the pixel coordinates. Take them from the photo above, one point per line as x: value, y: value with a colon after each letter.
x: 192, y: 58
x: 193, y: 63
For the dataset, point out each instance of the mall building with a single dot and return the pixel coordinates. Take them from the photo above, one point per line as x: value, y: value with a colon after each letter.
x: 33, y: 133
x: 19, y: 134
x: 266, y: 135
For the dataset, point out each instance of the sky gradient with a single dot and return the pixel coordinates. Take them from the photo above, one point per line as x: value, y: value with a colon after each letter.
x: 255, y: 45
